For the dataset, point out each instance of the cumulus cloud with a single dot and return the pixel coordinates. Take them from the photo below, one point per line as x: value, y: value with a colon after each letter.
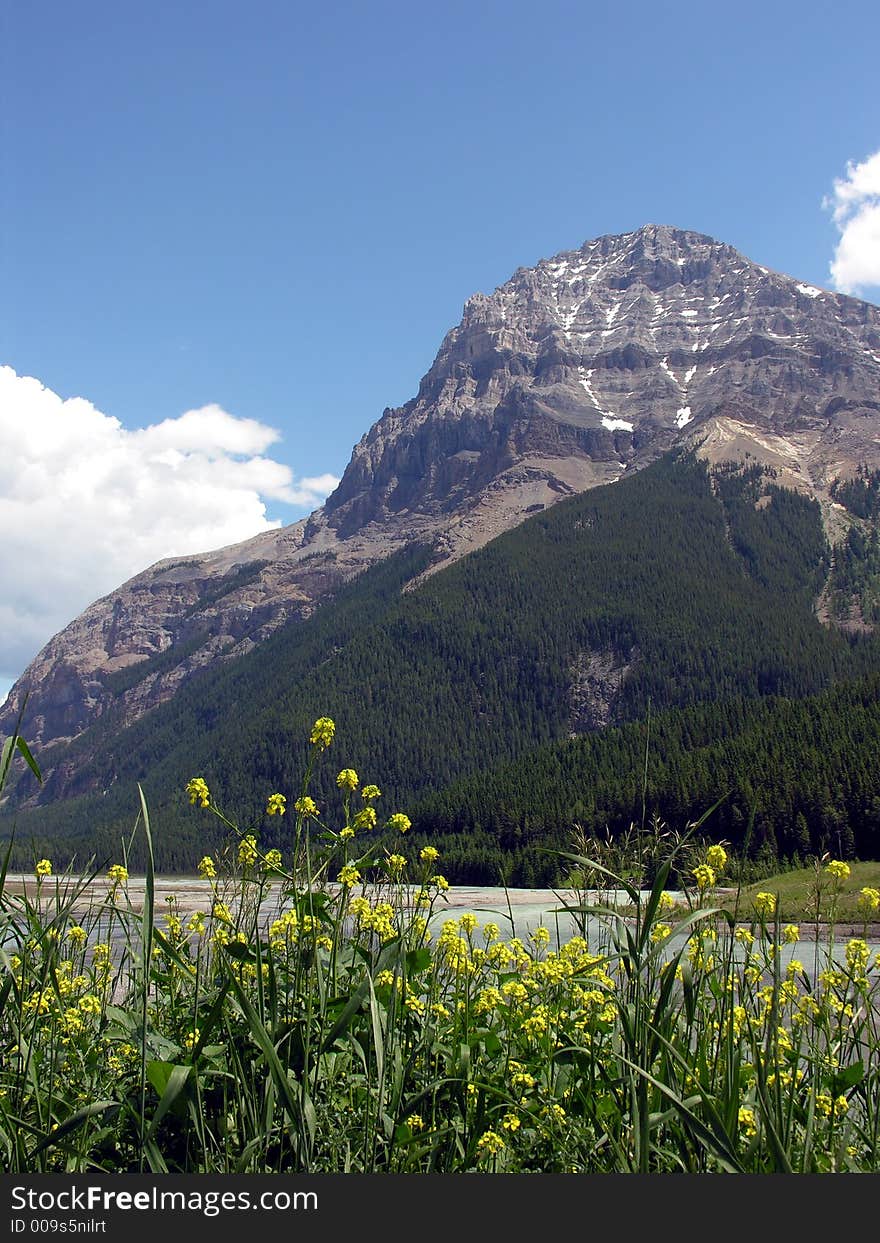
x: 855, y: 205
x: 85, y: 503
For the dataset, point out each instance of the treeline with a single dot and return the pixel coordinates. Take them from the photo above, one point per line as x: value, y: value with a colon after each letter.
x: 794, y: 777
x: 696, y: 588
x: 861, y: 494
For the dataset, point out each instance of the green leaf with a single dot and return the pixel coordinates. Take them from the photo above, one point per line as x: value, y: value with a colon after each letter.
x: 175, y: 1080
x: 72, y: 1123
x: 848, y: 1078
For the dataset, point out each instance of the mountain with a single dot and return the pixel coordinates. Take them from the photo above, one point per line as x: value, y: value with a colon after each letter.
x: 576, y: 373
x: 669, y: 616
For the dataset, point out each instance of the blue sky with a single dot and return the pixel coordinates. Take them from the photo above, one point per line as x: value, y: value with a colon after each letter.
x: 268, y: 215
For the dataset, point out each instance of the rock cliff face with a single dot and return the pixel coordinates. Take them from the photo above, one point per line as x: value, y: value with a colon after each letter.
x: 575, y: 371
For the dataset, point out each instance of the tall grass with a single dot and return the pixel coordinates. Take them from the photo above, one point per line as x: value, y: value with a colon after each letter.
x: 319, y: 1016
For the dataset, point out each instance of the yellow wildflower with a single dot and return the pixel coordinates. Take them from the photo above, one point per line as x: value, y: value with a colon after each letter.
x: 837, y: 869
x: 364, y: 819
x: 207, y: 868
x: 306, y: 806
x: 276, y: 805
x: 490, y: 1144
x: 399, y: 821
x: 348, y: 876
x: 716, y: 857
x: 369, y: 792
x: 43, y: 868
x: 748, y: 1124
x: 272, y: 861
x: 764, y: 904
x: 118, y: 874
x: 322, y: 732
x: 704, y: 875
x: 869, y: 900
x: 857, y: 954
x: 247, y: 851
x: 347, y: 779
x: 197, y: 789
x: 429, y: 854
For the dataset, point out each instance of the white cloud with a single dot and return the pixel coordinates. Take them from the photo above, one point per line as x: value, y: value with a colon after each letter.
x: 85, y: 503
x: 855, y: 204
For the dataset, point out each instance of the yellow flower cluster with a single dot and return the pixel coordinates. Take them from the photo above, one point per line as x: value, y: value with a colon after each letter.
x: 117, y: 874
x: 869, y: 900
x: 490, y: 1144
x: 43, y: 869
x: 378, y: 918
x: 284, y: 931
x: 827, y: 1106
x: 857, y: 954
x: 764, y: 904
x: 347, y: 779
x: 207, y: 868
x: 716, y: 857
x: 704, y: 875
x: 837, y: 869
x: 747, y: 1122
x: 395, y: 865
x: 322, y: 733
x: 399, y: 822
x: 365, y: 819
x: 276, y: 805
x: 247, y: 851
x: 197, y: 789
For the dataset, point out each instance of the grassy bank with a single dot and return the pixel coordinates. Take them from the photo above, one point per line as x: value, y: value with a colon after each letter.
x: 340, y: 1036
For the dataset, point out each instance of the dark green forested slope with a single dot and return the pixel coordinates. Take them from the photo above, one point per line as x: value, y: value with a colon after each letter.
x: 704, y: 596
x: 795, y: 776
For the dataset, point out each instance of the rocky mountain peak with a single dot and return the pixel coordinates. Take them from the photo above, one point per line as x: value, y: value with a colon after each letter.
x: 602, y: 355
x: 586, y: 366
